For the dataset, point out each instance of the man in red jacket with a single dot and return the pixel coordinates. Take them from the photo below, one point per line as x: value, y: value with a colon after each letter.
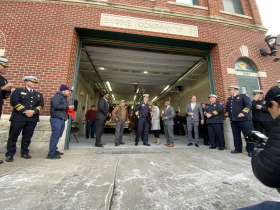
x: 90, y: 118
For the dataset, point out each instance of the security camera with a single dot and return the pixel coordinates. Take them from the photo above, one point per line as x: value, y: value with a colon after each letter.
x: 276, y: 60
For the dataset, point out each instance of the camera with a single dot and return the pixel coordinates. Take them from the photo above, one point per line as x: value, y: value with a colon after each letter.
x: 256, y: 137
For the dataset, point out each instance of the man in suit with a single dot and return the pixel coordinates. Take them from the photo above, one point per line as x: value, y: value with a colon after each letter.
x: 168, y: 124
x: 101, y: 116
x: 238, y: 114
x: 262, y: 120
x: 214, y: 122
x: 27, y: 103
x: 192, y: 111
x: 142, y: 112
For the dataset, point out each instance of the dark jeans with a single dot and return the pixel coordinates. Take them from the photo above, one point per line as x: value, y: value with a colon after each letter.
x: 245, y: 127
x: 58, y: 126
x: 99, y: 130
x: 27, y: 129
x: 119, y: 131
x: 267, y: 205
x: 90, y: 125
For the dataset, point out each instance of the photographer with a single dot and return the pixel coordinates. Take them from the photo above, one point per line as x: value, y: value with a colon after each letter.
x: 266, y: 163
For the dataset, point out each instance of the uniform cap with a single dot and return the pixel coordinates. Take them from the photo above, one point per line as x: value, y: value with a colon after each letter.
x: 278, y: 82
x: 122, y: 100
x: 212, y: 95
x: 146, y: 95
x: 232, y: 87
x: 4, y: 62
x: 30, y: 78
x: 273, y: 93
x: 258, y: 92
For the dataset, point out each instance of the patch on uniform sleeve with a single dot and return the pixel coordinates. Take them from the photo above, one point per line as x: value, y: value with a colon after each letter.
x: 246, y: 110
x: 215, y: 113
x: 264, y: 102
x: 226, y: 114
x: 23, y: 93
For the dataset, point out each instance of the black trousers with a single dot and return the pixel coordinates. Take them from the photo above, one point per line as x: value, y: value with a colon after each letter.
x: 99, y: 130
x: 27, y: 129
x: 205, y: 134
x: 262, y: 125
x: 156, y: 133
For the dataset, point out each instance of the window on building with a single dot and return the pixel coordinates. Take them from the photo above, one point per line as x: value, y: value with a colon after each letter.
x: 232, y: 6
x: 194, y: 2
x: 245, y: 65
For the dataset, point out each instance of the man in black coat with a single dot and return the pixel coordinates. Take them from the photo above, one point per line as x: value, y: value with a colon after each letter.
x: 266, y: 162
x: 101, y: 116
x: 27, y: 104
x: 262, y: 120
x: 4, y: 85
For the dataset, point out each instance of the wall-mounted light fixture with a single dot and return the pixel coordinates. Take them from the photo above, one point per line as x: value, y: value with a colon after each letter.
x: 272, y: 44
x: 82, y: 93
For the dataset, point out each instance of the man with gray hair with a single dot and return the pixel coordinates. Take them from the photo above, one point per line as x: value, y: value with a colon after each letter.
x: 168, y: 123
x: 192, y: 111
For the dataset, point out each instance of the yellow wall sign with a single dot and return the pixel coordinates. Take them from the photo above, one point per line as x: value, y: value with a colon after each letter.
x: 242, y: 65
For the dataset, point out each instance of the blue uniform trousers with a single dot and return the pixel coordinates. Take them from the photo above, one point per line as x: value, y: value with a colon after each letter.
x: 216, y: 132
x: 143, y: 129
x: 58, y: 126
x: 90, y: 126
x: 245, y: 127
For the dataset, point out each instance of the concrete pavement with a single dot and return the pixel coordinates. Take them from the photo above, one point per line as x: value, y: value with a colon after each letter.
x: 132, y: 178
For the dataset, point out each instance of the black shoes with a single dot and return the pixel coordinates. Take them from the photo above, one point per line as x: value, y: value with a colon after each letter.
x: 196, y: 145
x: 221, y: 148
x: 117, y: 144
x: 93, y: 137
x: 99, y: 145
x: 213, y: 148
x: 190, y: 144
x: 235, y: 152
x: 1, y: 161
x: 54, y: 156
x: 250, y: 154
x: 59, y: 153
x: 146, y: 144
x: 136, y: 143
x: 87, y: 137
x: 102, y: 143
x: 9, y: 159
x: 26, y: 156
x: 122, y: 142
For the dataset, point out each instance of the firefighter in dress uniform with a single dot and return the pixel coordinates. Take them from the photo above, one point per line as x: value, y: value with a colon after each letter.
x: 238, y: 114
x: 262, y: 120
x: 5, y: 86
x: 214, y: 122
x: 27, y: 104
x: 142, y: 112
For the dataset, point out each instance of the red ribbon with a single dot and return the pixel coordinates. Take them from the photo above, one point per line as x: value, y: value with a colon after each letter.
x: 71, y: 112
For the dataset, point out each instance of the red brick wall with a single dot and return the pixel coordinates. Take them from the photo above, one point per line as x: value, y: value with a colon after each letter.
x: 41, y: 41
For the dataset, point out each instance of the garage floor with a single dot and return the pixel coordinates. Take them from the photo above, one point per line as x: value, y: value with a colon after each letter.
x: 132, y: 178
x: 109, y: 139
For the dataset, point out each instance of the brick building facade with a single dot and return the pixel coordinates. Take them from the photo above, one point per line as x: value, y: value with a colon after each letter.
x: 42, y: 40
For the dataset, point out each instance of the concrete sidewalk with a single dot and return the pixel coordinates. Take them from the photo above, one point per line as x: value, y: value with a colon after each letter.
x: 132, y: 178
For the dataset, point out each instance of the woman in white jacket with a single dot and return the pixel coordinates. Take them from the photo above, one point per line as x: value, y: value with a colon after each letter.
x: 155, y: 122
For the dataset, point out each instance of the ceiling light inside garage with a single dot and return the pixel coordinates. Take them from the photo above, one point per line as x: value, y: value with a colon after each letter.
x: 101, y: 68
x: 108, y: 85
x: 134, y: 98
x: 145, y: 72
x: 154, y: 98
x: 165, y: 89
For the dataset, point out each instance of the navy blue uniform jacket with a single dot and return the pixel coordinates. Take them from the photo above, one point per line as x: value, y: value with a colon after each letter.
x: 241, y: 103
x: 261, y: 114
x: 142, y: 110
x: 216, y: 110
x: 22, y: 100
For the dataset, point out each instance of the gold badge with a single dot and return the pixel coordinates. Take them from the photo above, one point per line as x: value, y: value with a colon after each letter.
x: 238, y: 98
x: 5, y: 82
x: 38, y: 95
x: 264, y: 102
x: 23, y: 93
